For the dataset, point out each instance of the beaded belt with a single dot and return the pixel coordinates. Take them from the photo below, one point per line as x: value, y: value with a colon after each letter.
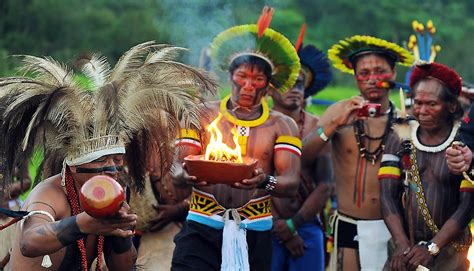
x: 255, y: 215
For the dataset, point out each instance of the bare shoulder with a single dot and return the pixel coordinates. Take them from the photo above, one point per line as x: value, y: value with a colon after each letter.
x: 49, y: 196
x: 280, y: 117
x: 283, y: 123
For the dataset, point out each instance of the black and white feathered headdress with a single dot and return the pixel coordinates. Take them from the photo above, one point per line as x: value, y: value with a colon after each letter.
x: 138, y: 105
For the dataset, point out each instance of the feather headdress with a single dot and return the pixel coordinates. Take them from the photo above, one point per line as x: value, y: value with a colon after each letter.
x: 261, y: 41
x: 137, y: 105
x: 343, y: 53
x: 314, y: 64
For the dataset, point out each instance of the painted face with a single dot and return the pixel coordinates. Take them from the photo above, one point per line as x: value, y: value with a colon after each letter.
x: 371, y: 69
x: 248, y: 85
x: 108, y: 165
x: 294, y: 98
x: 430, y: 111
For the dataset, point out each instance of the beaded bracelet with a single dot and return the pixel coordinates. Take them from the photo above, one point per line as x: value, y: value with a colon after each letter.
x: 291, y: 226
x: 271, y: 184
x: 322, y: 135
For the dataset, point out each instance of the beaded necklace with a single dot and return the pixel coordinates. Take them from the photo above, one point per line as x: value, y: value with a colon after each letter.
x: 73, y: 200
x: 360, y: 135
x: 301, y: 123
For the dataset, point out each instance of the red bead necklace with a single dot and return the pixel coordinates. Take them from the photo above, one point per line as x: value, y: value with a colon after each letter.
x: 73, y: 200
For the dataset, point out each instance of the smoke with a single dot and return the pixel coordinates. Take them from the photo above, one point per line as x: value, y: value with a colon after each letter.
x: 194, y: 24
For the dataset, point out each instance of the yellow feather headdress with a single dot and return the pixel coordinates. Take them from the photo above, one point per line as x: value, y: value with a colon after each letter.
x: 139, y: 104
x: 342, y: 53
x: 263, y: 42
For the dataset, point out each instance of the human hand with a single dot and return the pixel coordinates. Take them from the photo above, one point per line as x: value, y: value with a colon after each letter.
x: 182, y: 178
x: 166, y: 214
x: 257, y: 179
x: 120, y: 225
x: 295, y: 246
x: 281, y: 230
x: 458, y: 158
x: 398, y: 261
x: 348, y: 110
x: 418, y: 255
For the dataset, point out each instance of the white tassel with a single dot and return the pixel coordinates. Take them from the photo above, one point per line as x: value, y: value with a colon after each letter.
x: 234, y: 244
x: 46, y: 263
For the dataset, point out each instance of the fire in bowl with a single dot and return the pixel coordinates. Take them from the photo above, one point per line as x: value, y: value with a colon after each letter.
x: 101, y: 196
x: 219, y: 172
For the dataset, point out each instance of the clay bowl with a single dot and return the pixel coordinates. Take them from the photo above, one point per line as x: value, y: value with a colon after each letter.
x: 219, y: 172
x: 101, y: 196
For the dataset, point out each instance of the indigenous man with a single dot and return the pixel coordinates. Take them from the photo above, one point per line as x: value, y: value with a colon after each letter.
x: 428, y: 223
x: 161, y: 209
x: 459, y: 158
x: 89, y: 130
x: 298, y: 241
x: 225, y: 220
x: 10, y: 200
x: 360, y: 235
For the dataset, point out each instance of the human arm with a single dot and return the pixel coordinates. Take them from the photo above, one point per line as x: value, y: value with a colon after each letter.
x: 337, y: 115
x: 457, y: 222
x: 392, y: 210
x: 41, y: 236
x: 167, y: 213
x: 120, y: 253
x: 283, y: 182
x: 459, y: 159
x: 452, y: 228
x: 189, y: 143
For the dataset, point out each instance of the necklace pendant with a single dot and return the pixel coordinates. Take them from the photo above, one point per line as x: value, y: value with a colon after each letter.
x: 373, y: 160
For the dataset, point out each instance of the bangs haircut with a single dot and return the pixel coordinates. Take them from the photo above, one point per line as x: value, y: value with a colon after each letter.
x: 391, y: 60
x: 252, y: 61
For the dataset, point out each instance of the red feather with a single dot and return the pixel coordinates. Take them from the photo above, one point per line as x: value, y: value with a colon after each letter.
x: 264, y: 20
x: 299, y: 41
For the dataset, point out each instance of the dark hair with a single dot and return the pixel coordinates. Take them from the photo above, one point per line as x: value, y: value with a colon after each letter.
x: 448, y: 98
x: 391, y: 60
x: 251, y: 60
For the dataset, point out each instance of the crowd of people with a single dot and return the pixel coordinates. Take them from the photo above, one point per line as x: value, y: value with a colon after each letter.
x: 402, y: 178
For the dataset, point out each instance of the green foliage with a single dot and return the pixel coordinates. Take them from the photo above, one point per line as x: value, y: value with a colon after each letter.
x: 67, y: 28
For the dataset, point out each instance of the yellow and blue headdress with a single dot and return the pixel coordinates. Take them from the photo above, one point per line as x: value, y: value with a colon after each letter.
x: 421, y: 44
x: 260, y: 41
x: 314, y: 64
x: 346, y: 51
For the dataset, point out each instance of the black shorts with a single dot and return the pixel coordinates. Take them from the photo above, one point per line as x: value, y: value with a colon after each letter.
x: 198, y: 247
x: 347, y: 235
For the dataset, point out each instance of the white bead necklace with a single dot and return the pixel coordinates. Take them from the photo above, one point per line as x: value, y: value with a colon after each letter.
x: 433, y: 149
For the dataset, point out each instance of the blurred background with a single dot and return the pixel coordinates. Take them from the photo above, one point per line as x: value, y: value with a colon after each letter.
x: 64, y: 29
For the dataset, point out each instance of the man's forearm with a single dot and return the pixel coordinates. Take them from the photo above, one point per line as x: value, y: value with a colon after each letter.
x: 313, y: 205
x: 49, y: 237
x: 286, y: 186
x: 121, y: 254
x: 457, y: 222
x: 392, y: 210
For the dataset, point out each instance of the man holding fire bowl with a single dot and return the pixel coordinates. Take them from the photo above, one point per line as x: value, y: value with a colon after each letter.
x: 227, y: 219
x: 91, y: 132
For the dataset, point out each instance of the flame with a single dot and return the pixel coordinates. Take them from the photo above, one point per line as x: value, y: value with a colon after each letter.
x: 216, y: 150
x: 470, y: 253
